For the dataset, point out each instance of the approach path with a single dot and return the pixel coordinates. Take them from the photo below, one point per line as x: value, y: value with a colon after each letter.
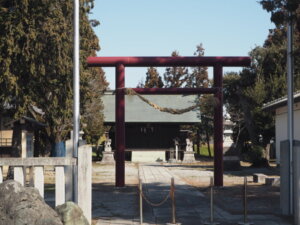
x: 120, y: 206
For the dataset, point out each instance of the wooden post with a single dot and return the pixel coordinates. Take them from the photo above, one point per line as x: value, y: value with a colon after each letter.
x: 120, y: 126
x: 141, y: 200
x: 38, y: 179
x: 218, y: 127
x: 211, y: 200
x: 173, y: 201
x: 85, y: 180
x: 59, y: 185
x: 1, y: 175
x: 198, y: 141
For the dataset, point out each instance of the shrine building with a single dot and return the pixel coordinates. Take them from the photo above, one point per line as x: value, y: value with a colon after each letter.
x: 150, y: 133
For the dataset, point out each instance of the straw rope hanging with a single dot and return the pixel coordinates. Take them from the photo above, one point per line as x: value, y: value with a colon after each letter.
x: 130, y: 91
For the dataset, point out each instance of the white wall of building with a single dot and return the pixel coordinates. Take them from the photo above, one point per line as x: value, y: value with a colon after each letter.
x: 281, y: 126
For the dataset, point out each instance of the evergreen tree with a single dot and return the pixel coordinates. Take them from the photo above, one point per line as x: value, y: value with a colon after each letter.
x: 153, y: 79
x: 279, y: 10
x: 246, y: 92
x: 199, y: 76
x: 36, y: 45
x: 196, y: 79
x: 175, y: 76
x: 277, y: 37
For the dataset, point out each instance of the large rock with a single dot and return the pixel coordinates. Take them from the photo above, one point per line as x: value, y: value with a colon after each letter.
x: 71, y: 214
x: 24, y: 206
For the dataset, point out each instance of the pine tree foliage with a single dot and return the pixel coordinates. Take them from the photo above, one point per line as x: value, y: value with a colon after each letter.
x: 199, y: 75
x: 175, y: 76
x: 36, y: 61
x: 153, y: 79
x: 246, y: 92
x: 199, y: 79
x: 277, y: 37
x: 279, y: 10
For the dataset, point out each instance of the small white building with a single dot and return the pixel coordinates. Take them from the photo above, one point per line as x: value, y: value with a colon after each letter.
x: 281, y: 120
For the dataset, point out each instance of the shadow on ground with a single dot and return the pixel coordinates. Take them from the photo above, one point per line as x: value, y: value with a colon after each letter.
x: 121, y: 204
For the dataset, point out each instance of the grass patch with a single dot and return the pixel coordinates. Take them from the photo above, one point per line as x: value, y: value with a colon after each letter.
x: 204, y: 150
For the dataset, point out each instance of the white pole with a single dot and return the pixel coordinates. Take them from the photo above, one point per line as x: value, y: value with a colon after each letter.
x: 76, y: 70
x: 176, y: 151
x: 290, y: 104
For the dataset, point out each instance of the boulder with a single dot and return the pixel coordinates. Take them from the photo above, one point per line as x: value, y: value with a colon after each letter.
x: 24, y: 206
x: 71, y: 214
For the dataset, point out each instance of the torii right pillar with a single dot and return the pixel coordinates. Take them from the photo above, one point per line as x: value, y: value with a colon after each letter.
x: 218, y: 126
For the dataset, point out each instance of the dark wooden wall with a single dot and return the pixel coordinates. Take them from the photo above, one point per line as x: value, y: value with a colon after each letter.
x: 149, y: 136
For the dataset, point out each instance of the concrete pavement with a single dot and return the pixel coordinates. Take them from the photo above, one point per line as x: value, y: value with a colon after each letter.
x: 121, y: 206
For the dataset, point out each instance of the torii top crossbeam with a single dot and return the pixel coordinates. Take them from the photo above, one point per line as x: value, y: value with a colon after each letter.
x: 216, y: 62
x: 168, y: 61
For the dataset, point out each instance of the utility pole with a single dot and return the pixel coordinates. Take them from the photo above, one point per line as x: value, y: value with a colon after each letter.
x: 76, y: 71
x: 290, y: 87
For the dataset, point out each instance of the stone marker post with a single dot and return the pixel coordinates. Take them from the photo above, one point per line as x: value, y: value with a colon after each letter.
x: 85, y: 180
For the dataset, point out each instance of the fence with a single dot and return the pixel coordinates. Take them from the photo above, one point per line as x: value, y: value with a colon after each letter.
x: 67, y: 169
x: 171, y: 195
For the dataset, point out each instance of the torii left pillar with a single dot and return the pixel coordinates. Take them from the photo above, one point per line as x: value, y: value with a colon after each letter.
x: 120, y: 125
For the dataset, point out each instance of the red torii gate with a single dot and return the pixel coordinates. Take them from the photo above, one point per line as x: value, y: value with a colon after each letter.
x: 216, y: 62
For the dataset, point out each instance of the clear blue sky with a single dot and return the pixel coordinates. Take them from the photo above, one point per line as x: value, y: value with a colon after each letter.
x: 157, y: 27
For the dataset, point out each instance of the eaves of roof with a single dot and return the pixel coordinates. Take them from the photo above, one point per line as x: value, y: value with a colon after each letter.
x: 273, y: 105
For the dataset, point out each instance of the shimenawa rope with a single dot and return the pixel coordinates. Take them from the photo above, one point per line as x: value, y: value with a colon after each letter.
x: 130, y: 91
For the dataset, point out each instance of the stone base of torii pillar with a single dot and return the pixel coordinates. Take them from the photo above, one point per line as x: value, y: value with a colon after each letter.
x: 188, y: 156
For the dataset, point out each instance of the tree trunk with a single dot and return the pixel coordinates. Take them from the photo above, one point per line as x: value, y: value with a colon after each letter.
x: 248, y: 121
x: 198, y: 142
x: 208, y: 144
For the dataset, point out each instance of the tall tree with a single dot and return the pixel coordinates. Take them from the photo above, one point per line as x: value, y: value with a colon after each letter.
x: 244, y: 95
x: 175, y: 76
x: 277, y: 37
x: 196, y: 79
x: 199, y: 75
x: 279, y: 10
x: 36, y: 45
x: 246, y: 92
x: 153, y: 79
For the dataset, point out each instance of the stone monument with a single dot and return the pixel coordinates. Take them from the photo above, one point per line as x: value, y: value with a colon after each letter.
x: 108, y: 155
x: 174, y: 152
x: 189, y: 156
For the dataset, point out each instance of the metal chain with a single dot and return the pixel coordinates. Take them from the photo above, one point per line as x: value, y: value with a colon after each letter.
x: 155, y: 204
